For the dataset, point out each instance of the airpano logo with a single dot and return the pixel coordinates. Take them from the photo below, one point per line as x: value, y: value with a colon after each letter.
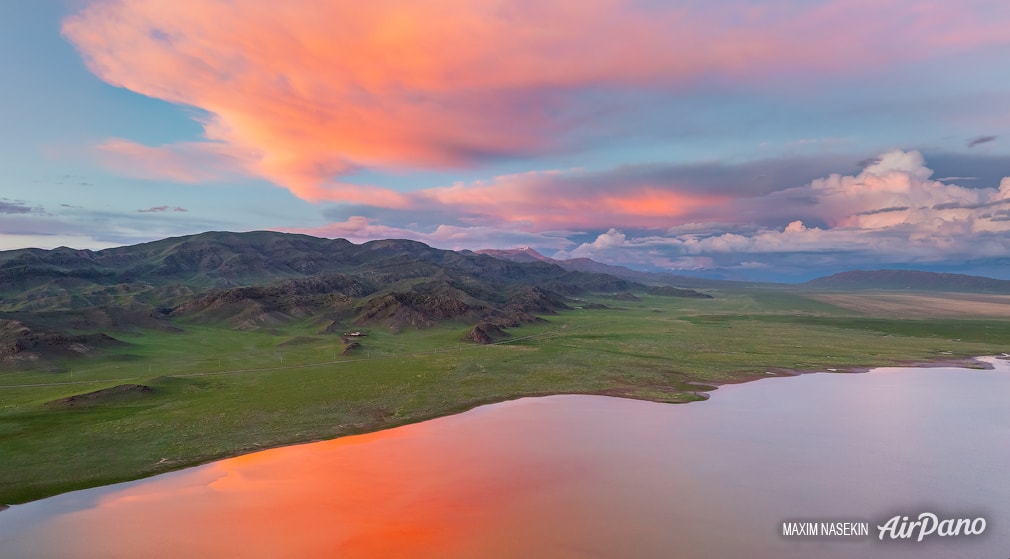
x: 928, y: 525
x: 901, y: 527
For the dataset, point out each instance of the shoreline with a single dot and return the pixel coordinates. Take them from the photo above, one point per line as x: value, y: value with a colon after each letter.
x: 707, y: 386
x: 963, y: 362
x: 958, y: 362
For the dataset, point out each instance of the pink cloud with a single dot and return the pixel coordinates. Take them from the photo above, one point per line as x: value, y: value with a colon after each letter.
x: 302, y: 97
x: 361, y: 229
x: 895, y: 190
x: 891, y: 211
x: 357, y: 229
x: 189, y: 162
x: 545, y: 200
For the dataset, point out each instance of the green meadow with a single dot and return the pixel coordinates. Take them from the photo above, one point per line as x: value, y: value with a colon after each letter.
x: 217, y: 392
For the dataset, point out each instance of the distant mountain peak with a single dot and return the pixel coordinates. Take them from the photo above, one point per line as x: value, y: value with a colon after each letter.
x: 521, y: 254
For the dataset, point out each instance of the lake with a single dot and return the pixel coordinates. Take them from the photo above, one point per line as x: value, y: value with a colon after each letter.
x: 586, y: 476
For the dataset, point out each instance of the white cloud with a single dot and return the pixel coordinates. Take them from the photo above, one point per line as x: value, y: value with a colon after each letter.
x: 889, y: 213
x: 609, y: 240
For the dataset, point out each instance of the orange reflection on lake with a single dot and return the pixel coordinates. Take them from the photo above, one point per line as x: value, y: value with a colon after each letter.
x: 406, y: 492
x: 578, y: 476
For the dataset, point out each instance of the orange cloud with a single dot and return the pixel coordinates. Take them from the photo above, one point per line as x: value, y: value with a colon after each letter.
x: 553, y: 199
x: 302, y: 95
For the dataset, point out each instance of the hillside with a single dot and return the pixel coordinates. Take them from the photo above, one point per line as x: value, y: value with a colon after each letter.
x: 522, y: 254
x: 175, y: 269
x: 909, y: 280
x: 264, y: 279
x: 24, y: 343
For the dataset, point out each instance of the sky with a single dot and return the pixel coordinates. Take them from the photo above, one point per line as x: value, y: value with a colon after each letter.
x: 772, y: 140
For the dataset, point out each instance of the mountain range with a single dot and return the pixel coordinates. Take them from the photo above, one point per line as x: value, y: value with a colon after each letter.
x: 909, y: 280
x: 62, y: 301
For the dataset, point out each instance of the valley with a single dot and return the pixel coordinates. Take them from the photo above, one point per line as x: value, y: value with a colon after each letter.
x: 177, y: 374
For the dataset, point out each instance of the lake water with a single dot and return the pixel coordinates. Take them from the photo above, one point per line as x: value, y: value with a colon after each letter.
x: 585, y: 476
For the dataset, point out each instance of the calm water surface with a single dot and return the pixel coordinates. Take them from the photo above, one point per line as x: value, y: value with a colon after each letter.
x: 584, y: 476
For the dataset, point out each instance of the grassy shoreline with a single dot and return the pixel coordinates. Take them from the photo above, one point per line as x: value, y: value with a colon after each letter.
x: 216, y: 393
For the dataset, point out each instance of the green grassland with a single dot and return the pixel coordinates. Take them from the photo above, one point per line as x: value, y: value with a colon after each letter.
x: 219, y: 392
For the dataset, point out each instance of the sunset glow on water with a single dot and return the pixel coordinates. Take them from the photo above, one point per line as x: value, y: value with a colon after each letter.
x: 580, y: 476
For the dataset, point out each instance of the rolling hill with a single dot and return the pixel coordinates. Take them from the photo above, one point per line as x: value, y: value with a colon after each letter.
x: 260, y: 279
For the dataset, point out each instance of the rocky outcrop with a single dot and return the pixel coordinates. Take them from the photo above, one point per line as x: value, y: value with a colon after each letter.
x: 484, y: 333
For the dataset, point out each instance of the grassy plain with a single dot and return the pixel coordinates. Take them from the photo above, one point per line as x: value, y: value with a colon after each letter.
x: 925, y: 305
x: 219, y: 392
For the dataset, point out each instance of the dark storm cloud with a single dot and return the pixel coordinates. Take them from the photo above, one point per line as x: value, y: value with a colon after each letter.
x: 8, y: 206
x: 159, y: 209
x: 980, y: 140
x: 887, y: 210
